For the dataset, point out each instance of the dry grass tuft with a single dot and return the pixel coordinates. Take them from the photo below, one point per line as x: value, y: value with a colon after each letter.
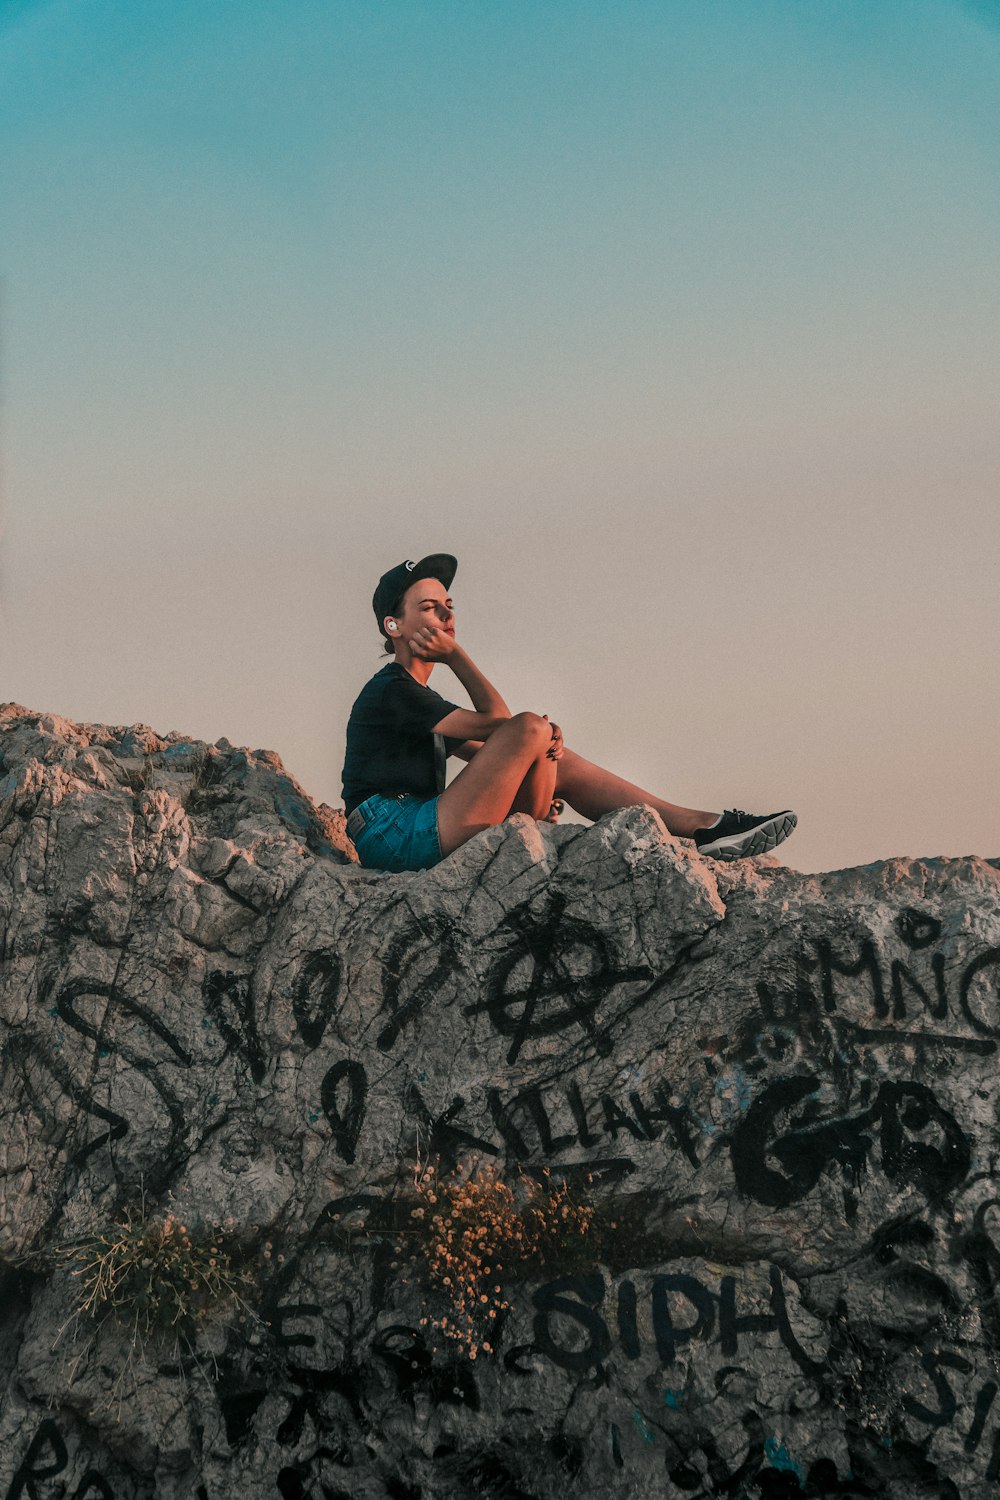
x: 156, y: 1274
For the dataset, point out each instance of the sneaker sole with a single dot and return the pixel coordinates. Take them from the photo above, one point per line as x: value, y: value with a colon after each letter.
x: 759, y: 840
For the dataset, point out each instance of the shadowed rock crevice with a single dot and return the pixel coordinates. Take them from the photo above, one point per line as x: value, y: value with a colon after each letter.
x: 777, y: 1093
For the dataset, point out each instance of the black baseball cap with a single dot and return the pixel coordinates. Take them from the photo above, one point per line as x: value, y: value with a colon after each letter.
x: 393, y: 585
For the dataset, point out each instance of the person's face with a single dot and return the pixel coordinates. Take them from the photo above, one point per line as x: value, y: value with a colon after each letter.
x: 426, y: 602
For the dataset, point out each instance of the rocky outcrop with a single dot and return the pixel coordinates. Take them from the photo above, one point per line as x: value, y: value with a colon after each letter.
x: 778, y: 1092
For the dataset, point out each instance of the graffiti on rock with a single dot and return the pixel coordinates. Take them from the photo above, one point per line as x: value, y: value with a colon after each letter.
x: 552, y: 979
x: 124, y: 1037
x: 417, y: 969
x: 47, y: 1456
x: 229, y: 1002
x: 528, y: 1121
x: 920, y: 1141
x: 342, y: 1094
x: 855, y: 989
x: 315, y: 996
x: 557, y: 980
x: 571, y: 1329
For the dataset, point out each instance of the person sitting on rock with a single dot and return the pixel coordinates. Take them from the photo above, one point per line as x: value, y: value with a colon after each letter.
x: 400, y: 814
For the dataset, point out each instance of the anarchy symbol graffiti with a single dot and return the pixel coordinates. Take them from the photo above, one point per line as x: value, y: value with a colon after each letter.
x: 553, y: 978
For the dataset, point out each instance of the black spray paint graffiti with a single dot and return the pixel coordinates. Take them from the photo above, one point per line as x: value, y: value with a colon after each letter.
x: 374, y: 1216
x: 981, y: 1257
x: 550, y: 980
x: 35, y: 1065
x: 786, y: 1124
x: 315, y: 995
x: 940, y: 1366
x: 416, y: 969
x: 307, y: 1401
x: 357, y: 1222
x: 67, y: 1007
x: 527, y: 1123
x: 402, y: 1349
x: 915, y: 988
x: 578, y: 1301
x: 553, y: 979
x: 567, y: 967
x: 342, y: 1094
x: 441, y: 1136
x: 525, y: 1120
x: 229, y: 1001
x: 47, y: 1456
x: 696, y: 1466
x: 113, y: 1004
x: 574, y: 1330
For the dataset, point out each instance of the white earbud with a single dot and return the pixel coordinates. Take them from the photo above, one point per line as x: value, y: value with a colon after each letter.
x: 389, y: 625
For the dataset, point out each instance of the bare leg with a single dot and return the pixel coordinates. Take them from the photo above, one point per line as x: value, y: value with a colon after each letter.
x: 593, y: 792
x: 511, y: 772
x: 485, y: 792
x: 536, y: 791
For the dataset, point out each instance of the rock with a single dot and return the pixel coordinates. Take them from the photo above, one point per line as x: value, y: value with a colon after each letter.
x: 775, y: 1094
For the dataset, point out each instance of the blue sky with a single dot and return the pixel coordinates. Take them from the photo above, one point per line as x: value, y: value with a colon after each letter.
x: 676, y: 322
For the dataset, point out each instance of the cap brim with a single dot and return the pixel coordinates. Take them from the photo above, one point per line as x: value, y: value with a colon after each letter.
x: 439, y: 565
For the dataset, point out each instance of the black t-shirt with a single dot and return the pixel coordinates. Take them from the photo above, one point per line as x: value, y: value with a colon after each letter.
x: 390, y: 740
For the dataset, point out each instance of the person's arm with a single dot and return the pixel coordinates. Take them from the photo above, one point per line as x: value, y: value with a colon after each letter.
x: 491, y: 710
x: 469, y: 749
x: 432, y: 644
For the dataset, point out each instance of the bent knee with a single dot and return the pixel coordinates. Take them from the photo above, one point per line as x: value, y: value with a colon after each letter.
x: 531, y: 726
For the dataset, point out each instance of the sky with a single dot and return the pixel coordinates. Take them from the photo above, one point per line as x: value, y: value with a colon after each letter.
x: 676, y: 321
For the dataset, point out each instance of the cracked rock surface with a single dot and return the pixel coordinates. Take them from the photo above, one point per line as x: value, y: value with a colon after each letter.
x: 778, y: 1092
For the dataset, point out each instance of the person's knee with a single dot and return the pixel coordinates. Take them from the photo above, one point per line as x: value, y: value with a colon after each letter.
x: 530, y: 728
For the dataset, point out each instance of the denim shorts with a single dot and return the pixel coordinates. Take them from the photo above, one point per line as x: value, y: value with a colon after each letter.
x: 395, y: 833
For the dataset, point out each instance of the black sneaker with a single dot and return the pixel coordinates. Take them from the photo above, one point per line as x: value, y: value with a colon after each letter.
x: 738, y: 834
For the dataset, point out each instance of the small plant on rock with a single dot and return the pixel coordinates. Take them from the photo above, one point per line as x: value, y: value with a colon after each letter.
x: 478, y: 1229
x: 156, y: 1274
